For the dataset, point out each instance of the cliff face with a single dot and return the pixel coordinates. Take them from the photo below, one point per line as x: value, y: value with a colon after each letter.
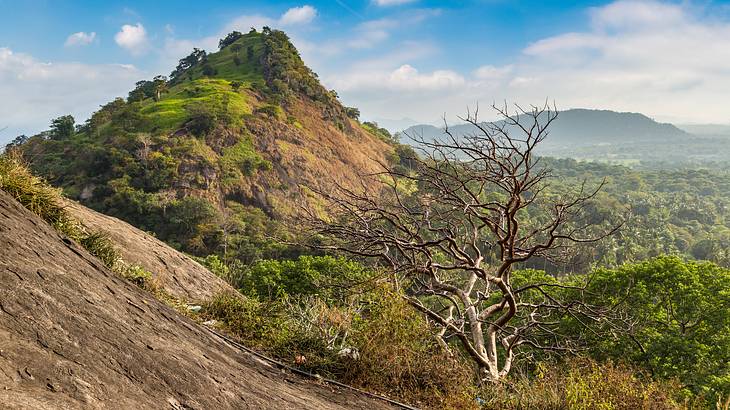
x: 75, y: 335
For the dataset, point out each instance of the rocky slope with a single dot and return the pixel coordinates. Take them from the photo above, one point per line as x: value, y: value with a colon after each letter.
x: 175, y: 272
x: 75, y: 335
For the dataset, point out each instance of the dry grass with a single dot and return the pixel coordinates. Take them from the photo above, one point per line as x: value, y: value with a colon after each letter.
x: 45, y: 201
x: 582, y: 384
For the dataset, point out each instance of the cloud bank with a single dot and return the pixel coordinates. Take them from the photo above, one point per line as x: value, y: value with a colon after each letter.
x: 34, y: 92
x: 671, y: 61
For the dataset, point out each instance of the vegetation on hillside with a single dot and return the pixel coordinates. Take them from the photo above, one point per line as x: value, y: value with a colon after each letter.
x: 192, y: 159
x: 183, y: 157
x: 45, y: 201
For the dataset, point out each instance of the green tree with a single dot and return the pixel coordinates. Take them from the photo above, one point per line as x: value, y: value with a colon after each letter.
x: 159, y: 84
x: 193, y: 59
x: 680, y: 319
x: 231, y: 38
x: 63, y: 127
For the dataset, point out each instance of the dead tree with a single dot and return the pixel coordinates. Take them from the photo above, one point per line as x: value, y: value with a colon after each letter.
x: 454, y: 227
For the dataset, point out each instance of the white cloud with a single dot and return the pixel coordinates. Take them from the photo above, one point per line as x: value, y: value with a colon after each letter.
x: 637, y: 15
x: 668, y: 60
x: 490, y: 72
x: 34, y: 92
x: 133, y: 38
x: 298, y: 15
x: 386, y: 3
x: 80, y: 39
x: 403, y: 78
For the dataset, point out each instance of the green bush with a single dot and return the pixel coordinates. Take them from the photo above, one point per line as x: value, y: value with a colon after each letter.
x: 138, y: 275
x: 680, y: 315
x: 328, y: 277
x: 257, y: 324
x: 100, y: 245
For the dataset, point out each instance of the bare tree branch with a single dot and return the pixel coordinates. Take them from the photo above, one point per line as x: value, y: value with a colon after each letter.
x: 455, y: 225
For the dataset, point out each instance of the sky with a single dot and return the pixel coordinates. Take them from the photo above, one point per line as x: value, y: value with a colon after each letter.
x: 399, y: 61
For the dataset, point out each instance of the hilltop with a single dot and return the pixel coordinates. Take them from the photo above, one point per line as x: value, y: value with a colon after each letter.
x: 213, y: 156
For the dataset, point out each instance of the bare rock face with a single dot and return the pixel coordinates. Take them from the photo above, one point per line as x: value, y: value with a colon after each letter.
x: 75, y: 335
x: 178, y: 274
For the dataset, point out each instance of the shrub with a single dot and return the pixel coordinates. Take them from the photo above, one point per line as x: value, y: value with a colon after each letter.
x: 138, y: 275
x: 396, y: 353
x: 35, y: 194
x: 581, y: 384
x: 99, y: 245
x: 399, y: 356
x: 328, y: 277
x: 202, y: 119
x: 257, y: 324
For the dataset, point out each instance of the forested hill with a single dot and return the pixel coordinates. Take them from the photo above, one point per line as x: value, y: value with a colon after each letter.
x: 609, y: 136
x: 209, y: 157
x: 582, y: 126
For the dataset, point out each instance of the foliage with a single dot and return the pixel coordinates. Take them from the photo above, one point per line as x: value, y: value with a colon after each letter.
x: 352, y: 112
x: 325, y: 276
x: 137, y: 275
x: 62, y: 128
x: 581, y: 384
x: 193, y: 59
x: 370, y: 341
x: 681, y: 211
x: 100, y: 245
x: 680, y: 320
x: 241, y: 160
x: 382, y: 133
x: 34, y: 194
x: 229, y: 39
x: 257, y: 324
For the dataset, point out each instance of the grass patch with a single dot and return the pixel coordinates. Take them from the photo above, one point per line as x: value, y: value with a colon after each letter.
x: 45, y: 201
x: 35, y: 195
x: 173, y: 110
x: 241, y: 160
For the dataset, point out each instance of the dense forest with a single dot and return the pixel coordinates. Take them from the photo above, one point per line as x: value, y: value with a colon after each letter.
x: 207, y: 159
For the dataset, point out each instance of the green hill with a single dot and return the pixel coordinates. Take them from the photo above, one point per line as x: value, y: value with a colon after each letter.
x: 211, y: 158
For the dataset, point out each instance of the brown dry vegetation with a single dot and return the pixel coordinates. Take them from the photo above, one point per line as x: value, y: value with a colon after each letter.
x: 317, y: 154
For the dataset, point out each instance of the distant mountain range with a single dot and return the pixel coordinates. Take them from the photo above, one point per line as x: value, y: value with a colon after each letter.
x: 616, y: 137
x: 583, y: 127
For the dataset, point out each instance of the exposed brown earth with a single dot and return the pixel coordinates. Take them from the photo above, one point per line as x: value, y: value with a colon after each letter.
x: 75, y: 335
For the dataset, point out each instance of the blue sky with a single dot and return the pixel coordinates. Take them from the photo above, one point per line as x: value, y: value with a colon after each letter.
x: 398, y: 60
